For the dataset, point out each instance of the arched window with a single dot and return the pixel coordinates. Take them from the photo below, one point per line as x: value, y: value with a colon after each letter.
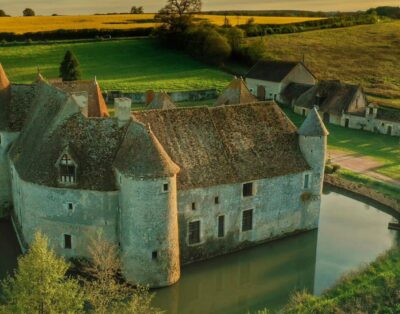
x: 67, y: 169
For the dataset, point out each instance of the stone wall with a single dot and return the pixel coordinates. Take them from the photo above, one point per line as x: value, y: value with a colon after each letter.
x: 277, y: 211
x: 6, y: 138
x: 272, y: 89
x: 140, y: 98
x: 47, y: 209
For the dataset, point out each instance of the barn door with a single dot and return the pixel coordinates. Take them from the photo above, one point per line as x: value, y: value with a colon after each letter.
x: 389, y: 130
x: 261, y: 92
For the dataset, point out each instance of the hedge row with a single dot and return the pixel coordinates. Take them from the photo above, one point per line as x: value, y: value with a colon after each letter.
x: 76, y: 34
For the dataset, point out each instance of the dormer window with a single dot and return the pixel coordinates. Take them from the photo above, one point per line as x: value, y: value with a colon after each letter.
x: 67, y: 169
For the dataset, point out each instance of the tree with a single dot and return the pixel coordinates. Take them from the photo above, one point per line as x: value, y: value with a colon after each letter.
x: 235, y: 37
x: 69, y: 68
x: 28, y: 12
x: 137, y: 10
x: 39, y: 284
x: 105, y: 292
x: 2, y: 13
x: 216, y: 48
x: 177, y: 14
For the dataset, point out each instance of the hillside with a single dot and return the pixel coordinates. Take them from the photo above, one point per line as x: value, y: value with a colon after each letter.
x: 21, y: 25
x: 368, y: 54
x: 129, y: 65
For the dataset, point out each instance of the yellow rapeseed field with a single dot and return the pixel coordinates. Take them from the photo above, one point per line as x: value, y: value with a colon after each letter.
x: 21, y: 25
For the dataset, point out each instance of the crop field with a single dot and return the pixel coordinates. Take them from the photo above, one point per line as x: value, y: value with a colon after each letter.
x: 130, y: 65
x: 21, y: 25
x: 369, y: 55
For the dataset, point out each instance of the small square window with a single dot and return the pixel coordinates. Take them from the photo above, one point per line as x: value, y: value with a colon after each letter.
x: 193, y: 206
x: 194, y: 232
x: 70, y: 206
x: 67, y: 241
x: 154, y: 255
x: 216, y: 200
x: 248, y: 189
x: 165, y: 187
x: 247, y: 220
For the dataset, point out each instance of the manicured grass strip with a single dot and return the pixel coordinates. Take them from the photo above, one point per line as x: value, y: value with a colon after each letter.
x: 129, y: 65
x: 390, y: 190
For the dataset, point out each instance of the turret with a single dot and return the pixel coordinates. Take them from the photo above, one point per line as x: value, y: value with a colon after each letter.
x: 148, y: 218
x: 313, y: 144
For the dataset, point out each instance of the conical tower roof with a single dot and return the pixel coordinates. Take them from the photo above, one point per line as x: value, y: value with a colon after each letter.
x: 4, y: 82
x: 39, y: 78
x: 142, y: 156
x: 162, y: 101
x: 313, y: 125
x: 236, y: 93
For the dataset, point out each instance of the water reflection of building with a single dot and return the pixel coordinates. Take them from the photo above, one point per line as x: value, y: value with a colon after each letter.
x: 252, y: 279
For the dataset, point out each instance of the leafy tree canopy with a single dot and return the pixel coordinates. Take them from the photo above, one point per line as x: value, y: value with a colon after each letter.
x: 40, y: 285
x: 28, y: 12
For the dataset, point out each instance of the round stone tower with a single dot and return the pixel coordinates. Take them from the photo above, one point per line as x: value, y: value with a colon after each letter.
x: 148, y: 218
x: 313, y: 144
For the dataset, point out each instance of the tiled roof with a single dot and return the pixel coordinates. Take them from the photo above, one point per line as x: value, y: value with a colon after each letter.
x: 330, y: 96
x: 236, y: 93
x: 227, y: 144
x: 294, y: 91
x: 272, y: 71
x: 97, y: 106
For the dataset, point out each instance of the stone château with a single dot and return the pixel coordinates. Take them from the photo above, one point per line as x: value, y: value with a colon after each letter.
x: 169, y: 186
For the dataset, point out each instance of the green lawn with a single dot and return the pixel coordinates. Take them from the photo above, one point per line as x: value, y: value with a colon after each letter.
x: 381, y: 147
x: 134, y: 65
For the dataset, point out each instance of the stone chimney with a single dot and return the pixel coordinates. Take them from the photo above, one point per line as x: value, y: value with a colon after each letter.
x: 123, y: 110
x: 82, y: 99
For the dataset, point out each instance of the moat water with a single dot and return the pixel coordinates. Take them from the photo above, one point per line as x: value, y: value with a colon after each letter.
x: 352, y: 232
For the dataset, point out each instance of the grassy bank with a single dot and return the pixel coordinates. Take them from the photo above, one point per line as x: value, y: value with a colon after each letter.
x: 380, y: 147
x: 366, y: 54
x: 374, y: 289
x: 390, y: 190
x: 130, y: 65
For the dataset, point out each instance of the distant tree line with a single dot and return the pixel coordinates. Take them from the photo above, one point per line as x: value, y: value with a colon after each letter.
x: 391, y: 12
x: 137, y: 10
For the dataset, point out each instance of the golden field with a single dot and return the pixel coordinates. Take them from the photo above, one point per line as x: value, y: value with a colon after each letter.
x: 21, y: 25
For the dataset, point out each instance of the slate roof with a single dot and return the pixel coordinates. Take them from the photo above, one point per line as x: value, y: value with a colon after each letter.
x: 313, y: 125
x: 162, y: 101
x: 56, y: 123
x: 227, y: 144
x: 96, y: 104
x: 272, y: 71
x: 330, y: 96
x: 293, y: 91
x: 236, y: 93
x: 388, y: 114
